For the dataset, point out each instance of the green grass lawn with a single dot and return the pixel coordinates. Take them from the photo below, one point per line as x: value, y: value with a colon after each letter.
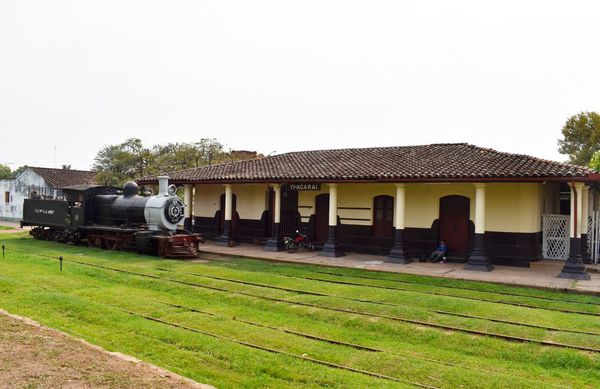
x: 6, y: 227
x: 90, y: 303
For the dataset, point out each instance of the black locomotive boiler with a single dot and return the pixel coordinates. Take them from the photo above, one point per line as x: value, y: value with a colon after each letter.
x: 107, y: 219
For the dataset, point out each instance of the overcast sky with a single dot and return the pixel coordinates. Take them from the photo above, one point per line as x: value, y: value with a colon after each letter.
x: 277, y: 76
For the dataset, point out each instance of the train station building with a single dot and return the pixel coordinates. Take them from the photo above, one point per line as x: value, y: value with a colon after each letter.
x: 490, y: 207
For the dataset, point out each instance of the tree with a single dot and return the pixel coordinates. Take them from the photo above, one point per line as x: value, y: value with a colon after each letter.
x: 19, y: 170
x: 5, y: 172
x: 130, y: 160
x: 117, y: 164
x: 581, y: 137
x: 177, y: 156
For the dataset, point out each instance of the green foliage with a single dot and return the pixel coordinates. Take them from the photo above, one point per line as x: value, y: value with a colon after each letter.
x: 595, y: 162
x: 130, y: 160
x: 5, y: 172
x: 19, y: 170
x: 178, y: 156
x: 117, y: 164
x: 581, y: 137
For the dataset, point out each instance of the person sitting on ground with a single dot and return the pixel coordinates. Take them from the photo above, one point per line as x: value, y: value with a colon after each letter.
x: 440, y: 252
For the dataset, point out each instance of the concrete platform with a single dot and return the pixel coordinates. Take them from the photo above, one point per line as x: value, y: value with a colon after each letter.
x: 541, y: 274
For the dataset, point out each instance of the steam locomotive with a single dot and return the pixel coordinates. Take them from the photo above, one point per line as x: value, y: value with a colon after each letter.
x: 111, y: 218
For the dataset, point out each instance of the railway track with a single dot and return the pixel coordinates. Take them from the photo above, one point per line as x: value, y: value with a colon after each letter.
x: 316, y: 338
x: 334, y: 309
x: 333, y: 341
x: 441, y: 312
x: 462, y: 288
x: 344, y: 310
x: 351, y: 345
x: 214, y: 258
x: 524, y: 305
x: 280, y: 352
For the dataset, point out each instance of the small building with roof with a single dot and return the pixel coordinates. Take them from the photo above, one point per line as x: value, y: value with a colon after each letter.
x: 38, y: 182
x: 398, y: 202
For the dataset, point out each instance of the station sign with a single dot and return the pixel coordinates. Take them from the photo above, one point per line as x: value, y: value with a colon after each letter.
x: 304, y: 186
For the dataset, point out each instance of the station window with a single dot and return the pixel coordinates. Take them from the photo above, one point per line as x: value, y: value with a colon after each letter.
x: 6, y: 197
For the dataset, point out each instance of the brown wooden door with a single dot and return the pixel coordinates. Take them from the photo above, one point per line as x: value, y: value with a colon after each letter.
x: 233, y: 214
x: 383, y: 217
x: 290, y: 218
x: 321, y: 217
x: 454, y: 223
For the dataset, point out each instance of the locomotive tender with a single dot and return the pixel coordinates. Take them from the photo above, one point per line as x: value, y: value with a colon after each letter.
x: 107, y: 219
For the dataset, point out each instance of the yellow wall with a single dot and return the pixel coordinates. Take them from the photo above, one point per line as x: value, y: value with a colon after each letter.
x: 207, y: 199
x: 510, y: 207
x: 250, y: 202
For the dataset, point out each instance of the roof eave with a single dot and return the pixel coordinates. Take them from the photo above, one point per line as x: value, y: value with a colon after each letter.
x: 591, y: 178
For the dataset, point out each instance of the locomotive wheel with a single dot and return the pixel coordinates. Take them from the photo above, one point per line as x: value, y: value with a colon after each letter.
x: 47, y: 235
x: 95, y: 241
x: 37, y: 233
x: 111, y: 244
x: 56, y: 236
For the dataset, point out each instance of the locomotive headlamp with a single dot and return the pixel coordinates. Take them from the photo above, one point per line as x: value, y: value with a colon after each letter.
x: 172, y: 190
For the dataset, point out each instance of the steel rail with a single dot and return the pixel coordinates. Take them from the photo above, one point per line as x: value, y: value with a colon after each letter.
x: 395, y: 318
x: 420, y: 283
x: 353, y: 345
x: 523, y: 305
x: 461, y: 288
x: 341, y: 343
x: 281, y: 329
x: 441, y: 312
x: 350, y: 311
x: 281, y: 352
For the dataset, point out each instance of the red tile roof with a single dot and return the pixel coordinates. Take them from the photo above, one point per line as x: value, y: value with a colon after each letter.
x: 60, y: 178
x: 435, y: 162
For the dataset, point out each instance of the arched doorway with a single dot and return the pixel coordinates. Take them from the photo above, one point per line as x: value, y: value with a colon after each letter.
x: 383, y: 216
x: 321, y: 217
x: 233, y: 214
x: 454, y: 223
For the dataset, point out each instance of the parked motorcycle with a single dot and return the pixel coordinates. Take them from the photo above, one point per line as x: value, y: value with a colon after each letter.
x: 300, y: 241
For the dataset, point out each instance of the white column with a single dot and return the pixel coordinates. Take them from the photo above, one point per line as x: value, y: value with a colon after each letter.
x: 572, y: 211
x: 579, y: 194
x: 585, y: 206
x: 277, y: 210
x: 197, y: 201
x: 228, y: 202
x: 400, y: 205
x: 333, y: 205
x: 479, y: 208
x: 574, y: 268
x: 397, y: 254
x: 187, y: 199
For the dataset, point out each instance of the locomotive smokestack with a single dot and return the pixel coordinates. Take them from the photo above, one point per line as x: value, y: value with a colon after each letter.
x: 163, y: 185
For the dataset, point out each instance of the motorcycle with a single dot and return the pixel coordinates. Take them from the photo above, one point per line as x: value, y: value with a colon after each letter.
x: 300, y: 241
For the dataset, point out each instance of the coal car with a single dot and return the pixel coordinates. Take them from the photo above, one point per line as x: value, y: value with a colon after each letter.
x: 116, y: 219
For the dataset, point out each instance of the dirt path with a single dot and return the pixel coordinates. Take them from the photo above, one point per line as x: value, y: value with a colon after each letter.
x: 34, y: 356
